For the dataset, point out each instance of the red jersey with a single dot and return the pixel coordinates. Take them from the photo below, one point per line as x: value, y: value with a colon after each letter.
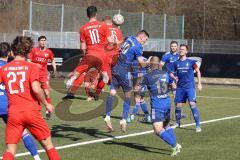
x: 94, y: 34
x: 17, y: 77
x: 41, y: 57
x: 116, y: 34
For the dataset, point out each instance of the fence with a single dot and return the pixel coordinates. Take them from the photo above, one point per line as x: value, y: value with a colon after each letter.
x: 63, y: 18
x: 71, y: 40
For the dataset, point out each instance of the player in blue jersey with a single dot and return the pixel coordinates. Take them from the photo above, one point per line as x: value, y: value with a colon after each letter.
x: 184, y: 69
x: 158, y: 83
x: 131, y: 50
x: 27, y: 139
x: 138, y: 73
x: 167, y: 61
x: 170, y: 57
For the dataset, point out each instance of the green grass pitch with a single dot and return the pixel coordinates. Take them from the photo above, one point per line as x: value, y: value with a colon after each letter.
x: 218, y: 141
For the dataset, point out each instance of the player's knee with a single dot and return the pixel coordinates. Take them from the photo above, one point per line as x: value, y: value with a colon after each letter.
x: 47, y: 143
x: 113, y: 92
x: 192, y: 104
x: 158, y: 127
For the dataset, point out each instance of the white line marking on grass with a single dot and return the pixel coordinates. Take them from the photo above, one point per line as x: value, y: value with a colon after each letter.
x: 232, y: 98
x: 124, y: 136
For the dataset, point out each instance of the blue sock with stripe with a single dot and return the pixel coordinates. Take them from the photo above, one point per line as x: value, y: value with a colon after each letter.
x: 136, y: 108
x: 109, y: 104
x: 30, y: 144
x: 144, y: 107
x: 195, y: 115
x: 126, y: 108
x: 168, y: 138
x: 178, y: 113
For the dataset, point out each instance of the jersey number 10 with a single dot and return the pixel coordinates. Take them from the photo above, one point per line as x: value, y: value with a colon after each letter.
x: 94, y: 35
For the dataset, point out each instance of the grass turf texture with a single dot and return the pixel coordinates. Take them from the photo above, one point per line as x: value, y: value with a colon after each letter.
x: 218, y: 140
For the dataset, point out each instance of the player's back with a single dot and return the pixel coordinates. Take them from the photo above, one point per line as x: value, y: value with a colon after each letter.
x: 130, y: 50
x: 116, y: 34
x: 94, y: 34
x: 157, y: 82
x: 18, y: 76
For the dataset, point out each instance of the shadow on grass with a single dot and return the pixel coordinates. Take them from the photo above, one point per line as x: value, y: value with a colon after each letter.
x: 140, y: 147
x: 72, y: 133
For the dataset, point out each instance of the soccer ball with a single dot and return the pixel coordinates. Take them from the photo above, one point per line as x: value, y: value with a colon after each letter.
x: 118, y: 19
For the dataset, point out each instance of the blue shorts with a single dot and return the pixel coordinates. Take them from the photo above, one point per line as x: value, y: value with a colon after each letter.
x: 121, y: 80
x: 4, y: 118
x: 161, y: 109
x: 182, y: 95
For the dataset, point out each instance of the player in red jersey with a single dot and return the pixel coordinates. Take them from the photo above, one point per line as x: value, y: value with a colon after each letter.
x: 41, y: 55
x: 24, y: 94
x: 112, y: 51
x: 94, y: 36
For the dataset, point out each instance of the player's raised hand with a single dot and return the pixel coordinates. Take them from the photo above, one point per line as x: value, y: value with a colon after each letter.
x: 49, y: 107
x: 199, y: 87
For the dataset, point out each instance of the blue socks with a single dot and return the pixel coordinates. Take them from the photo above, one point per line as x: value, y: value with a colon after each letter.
x: 136, y: 108
x: 30, y: 144
x: 126, y: 107
x: 169, y: 137
x: 144, y: 107
x: 109, y: 104
x: 178, y: 114
x: 195, y: 115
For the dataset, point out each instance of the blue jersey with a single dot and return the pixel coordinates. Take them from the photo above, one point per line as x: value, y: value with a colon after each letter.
x: 168, y: 58
x: 184, y: 70
x: 137, y: 70
x: 130, y: 50
x: 157, y: 82
x: 3, y: 95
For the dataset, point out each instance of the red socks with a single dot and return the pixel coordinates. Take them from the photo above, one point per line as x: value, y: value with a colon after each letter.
x: 8, y: 156
x: 53, y: 154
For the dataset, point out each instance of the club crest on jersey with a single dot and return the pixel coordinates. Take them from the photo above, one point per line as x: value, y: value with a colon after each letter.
x: 187, y: 64
x: 46, y: 54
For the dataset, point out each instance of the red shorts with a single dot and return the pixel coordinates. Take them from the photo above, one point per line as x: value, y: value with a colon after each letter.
x: 31, y: 120
x: 95, y: 59
x: 44, y: 81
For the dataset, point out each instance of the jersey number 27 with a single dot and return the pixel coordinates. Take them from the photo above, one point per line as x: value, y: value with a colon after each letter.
x: 13, y: 79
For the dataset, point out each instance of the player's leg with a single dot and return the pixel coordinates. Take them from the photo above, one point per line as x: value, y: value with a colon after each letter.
x: 30, y: 144
x: 163, y: 130
x: 14, y: 130
x: 180, y: 98
x: 135, y: 108
x: 147, y: 116
x: 39, y: 129
x: 75, y: 86
x: 50, y: 149
x: 108, y: 107
x: 126, y: 108
x: 192, y: 103
x: 10, y: 152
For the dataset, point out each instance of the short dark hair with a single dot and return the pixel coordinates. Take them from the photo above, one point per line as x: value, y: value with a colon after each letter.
x: 21, y: 46
x: 144, y: 32
x: 173, y: 42
x: 5, y: 48
x: 91, y: 11
x: 184, y: 45
x: 42, y: 37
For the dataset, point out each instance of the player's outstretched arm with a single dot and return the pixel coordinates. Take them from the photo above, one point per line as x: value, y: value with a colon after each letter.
x: 40, y: 95
x: 199, y: 78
